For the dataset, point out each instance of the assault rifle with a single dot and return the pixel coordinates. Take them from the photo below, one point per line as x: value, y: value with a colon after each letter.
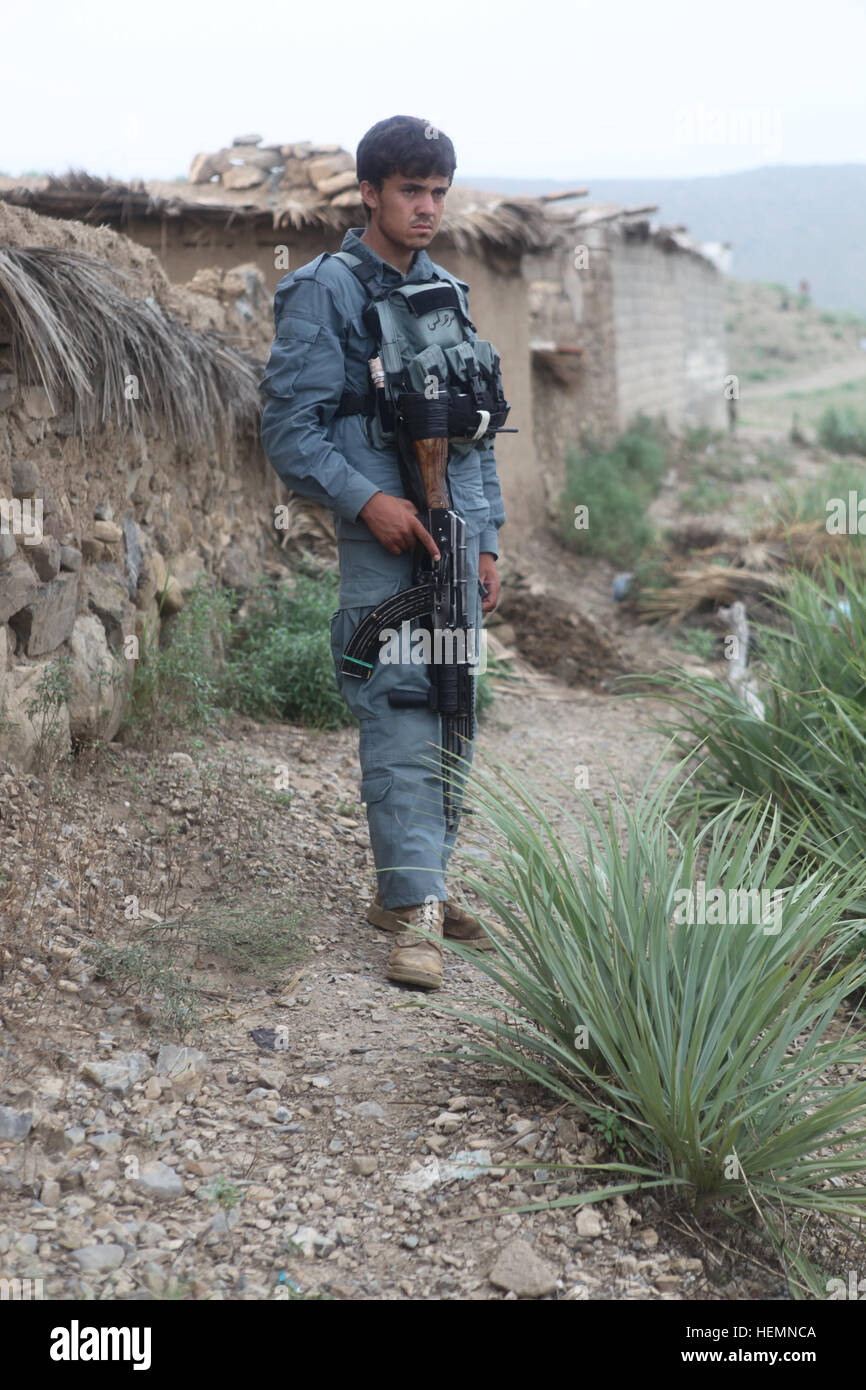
x: 437, y: 593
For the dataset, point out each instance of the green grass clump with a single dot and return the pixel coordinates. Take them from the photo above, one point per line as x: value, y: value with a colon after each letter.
x: 180, y: 680
x: 616, y: 485
x: 810, y: 502
x: 280, y: 661
x: 255, y: 936
x: 843, y: 430
x: 698, y: 641
x: 147, y: 969
x: 160, y: 963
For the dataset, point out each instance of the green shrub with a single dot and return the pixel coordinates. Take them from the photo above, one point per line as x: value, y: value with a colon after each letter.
x: 697, y: 437
x: 46, y: 709
x: 705, y: 494
x: 616, y: 486
x: 274, y: 662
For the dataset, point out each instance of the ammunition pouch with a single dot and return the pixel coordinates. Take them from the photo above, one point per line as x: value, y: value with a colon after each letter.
x: 470, y: 416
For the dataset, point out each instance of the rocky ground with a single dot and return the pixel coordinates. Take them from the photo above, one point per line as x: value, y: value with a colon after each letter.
x: 323, y: 1132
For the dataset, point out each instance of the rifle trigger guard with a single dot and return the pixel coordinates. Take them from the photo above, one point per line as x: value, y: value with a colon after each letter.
x: 482, y: 428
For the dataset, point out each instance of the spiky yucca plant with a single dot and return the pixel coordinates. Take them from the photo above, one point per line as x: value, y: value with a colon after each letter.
x: 717, y: 1045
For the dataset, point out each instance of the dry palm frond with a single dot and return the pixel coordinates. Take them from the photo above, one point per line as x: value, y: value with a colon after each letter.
x: 471, y: 220
x: 805, y: 544
x: 759, y: 565
x: 77, y: 331
x: 693, y: 588
x: 301, y: 213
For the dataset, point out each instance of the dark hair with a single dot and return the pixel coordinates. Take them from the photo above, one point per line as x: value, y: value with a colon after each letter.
x: 403, y: 145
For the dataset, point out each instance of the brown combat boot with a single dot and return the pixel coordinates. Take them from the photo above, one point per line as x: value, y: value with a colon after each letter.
x: 458, y: 925
x: 416, y: 960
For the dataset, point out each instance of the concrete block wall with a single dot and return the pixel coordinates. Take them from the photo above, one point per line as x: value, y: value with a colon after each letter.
x: 668, y: 308
x: 706, y: 360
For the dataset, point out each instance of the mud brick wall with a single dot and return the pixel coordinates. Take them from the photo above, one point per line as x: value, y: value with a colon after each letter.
x: 574, y: 396
x: 499, y: 305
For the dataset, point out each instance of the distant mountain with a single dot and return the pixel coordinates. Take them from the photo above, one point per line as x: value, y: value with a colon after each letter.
x: 785, y: 223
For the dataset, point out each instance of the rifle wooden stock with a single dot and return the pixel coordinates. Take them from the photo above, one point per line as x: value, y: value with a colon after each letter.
x: 432, y: 457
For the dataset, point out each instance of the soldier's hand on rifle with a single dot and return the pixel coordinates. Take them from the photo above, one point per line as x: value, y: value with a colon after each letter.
x: 490, y: 579
x: 394, y: 522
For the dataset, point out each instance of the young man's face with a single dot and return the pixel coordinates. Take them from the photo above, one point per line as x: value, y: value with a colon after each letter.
x: 408, y: 209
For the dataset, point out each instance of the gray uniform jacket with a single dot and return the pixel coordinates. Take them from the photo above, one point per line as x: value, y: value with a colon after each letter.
x: 320, y: 350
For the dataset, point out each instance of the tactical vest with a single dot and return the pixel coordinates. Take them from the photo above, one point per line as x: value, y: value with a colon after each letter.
x: 423, y: 336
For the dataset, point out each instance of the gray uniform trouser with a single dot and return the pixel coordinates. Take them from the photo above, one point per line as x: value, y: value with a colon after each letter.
x: 403, y: 795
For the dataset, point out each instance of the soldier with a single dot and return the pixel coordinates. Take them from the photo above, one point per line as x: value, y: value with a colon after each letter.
x: 324, y: 438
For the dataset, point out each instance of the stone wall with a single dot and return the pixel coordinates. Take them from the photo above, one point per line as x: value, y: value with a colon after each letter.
x: 706, y: 353
x: 185, y: 247
x: 116, y: 513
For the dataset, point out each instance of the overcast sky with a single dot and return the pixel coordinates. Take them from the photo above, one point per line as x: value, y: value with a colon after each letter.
x: 545, y: 88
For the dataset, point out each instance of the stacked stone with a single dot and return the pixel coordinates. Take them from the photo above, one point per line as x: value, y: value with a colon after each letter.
x: 104, y: 535
x: 59, y: 598
x: 303, y: 169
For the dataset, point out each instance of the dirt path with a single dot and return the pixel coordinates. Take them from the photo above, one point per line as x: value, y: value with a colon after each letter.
x: 820, y: 379
x: 302, y: 1148
x: 329, y: 1140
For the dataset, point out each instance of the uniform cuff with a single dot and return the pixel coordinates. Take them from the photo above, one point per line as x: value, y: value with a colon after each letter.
x: 354, y: 496
x: 489, y: 541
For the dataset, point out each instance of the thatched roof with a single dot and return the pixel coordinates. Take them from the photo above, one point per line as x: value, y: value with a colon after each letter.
x: 638, y: 224
x: 473, y: 220
x: 77, y: 330
x: 304, y: 187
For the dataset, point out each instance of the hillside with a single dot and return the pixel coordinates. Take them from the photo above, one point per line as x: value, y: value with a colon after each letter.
x: 791, y: 356
x: 775, y: 335
x: 785, y: 223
